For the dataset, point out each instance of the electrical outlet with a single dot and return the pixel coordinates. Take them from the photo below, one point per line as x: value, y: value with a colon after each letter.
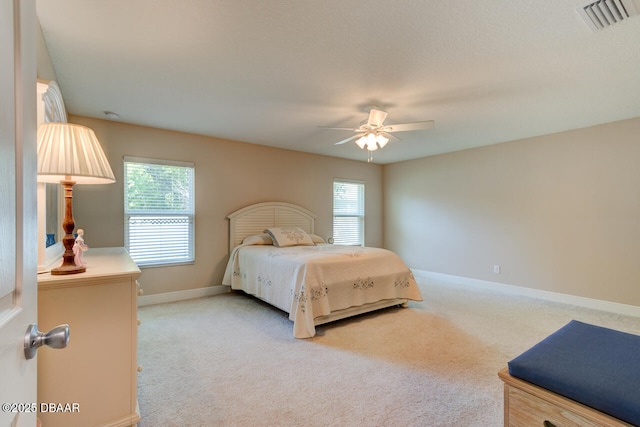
x: 496, y: 269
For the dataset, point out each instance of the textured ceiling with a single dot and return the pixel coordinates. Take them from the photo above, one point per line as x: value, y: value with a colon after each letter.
x: 270, y: 72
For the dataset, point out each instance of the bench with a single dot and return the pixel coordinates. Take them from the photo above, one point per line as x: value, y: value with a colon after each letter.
x: 581, y: 375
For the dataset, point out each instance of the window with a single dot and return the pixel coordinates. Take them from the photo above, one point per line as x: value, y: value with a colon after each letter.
x: 348, y: 213
x: 159, y: 211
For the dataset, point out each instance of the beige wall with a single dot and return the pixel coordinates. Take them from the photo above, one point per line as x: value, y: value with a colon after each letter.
x: 229, y: 176
x: 559, y: 212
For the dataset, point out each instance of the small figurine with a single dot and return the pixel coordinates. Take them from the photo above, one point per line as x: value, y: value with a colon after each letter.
x: 79, y: 247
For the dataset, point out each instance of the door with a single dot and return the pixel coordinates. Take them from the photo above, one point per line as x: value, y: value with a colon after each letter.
x: 18, y: 216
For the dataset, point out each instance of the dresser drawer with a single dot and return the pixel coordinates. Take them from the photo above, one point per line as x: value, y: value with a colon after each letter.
x: 527, y: 405
x: 526, y: 410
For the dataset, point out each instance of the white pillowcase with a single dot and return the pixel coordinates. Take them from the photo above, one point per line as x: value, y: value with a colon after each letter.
x: 316, y: 239
x: 289, y: 236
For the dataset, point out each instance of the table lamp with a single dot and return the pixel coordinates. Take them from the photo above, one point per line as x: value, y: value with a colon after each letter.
x: 70, y: 154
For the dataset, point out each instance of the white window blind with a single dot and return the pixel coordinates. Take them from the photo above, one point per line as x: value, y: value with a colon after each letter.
x: 159, y: 211
x: 348, y: 213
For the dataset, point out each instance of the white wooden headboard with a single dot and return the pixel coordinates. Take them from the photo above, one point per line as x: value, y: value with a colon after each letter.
x: 254, y: 219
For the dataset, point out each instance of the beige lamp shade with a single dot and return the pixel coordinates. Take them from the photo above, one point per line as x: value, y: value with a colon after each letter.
x: 68, y: 151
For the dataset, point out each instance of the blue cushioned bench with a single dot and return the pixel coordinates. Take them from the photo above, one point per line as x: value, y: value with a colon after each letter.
x: 592, y: 365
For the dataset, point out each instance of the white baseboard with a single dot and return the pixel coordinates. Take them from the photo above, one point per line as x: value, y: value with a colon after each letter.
x: 612, y: 307
x: 181, y: 295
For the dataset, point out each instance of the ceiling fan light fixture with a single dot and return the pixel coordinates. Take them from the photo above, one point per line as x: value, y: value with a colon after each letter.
x: 371, y: 142
x: 382, y: 140
x: 373, y: 134
x: 371, y: 138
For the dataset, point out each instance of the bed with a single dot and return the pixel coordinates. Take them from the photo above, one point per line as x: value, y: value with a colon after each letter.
x: 276, y: 257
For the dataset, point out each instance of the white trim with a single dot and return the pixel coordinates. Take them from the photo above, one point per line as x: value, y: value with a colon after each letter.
x: 612, y: 307
x: 181, y: 219
x: 350, y: 181
x: 361, y: 216
x: 162, y: 162
x: 181, y: 295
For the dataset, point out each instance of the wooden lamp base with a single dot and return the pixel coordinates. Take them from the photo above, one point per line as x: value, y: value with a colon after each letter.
x: 68, y: 269
x: 68, y: 265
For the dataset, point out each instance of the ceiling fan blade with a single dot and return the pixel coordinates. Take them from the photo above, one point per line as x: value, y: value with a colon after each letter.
x: 409, y: 126
x: 376, y: 118
x: 344, y: 141
x: 331, y: 127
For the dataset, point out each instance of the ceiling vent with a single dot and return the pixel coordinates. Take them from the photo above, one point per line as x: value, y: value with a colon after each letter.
x: 602, y: 14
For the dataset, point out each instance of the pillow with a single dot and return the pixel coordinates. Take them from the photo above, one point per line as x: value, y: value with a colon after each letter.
x: 289, y: 236
x: 316, y: 239
x: 258, y: 239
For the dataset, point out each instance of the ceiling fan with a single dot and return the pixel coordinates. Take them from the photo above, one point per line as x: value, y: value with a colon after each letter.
x: 373, y: 133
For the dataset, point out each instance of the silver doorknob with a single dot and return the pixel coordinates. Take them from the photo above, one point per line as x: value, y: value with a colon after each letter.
x: 57, y: 337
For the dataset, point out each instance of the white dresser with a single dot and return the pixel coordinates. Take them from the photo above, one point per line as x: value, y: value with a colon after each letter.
x: 97, y: 371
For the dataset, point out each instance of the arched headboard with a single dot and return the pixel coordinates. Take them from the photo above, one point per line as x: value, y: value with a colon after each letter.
x: 254, y: 219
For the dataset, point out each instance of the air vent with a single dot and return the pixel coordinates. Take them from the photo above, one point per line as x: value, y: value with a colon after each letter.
x: 602, y: 14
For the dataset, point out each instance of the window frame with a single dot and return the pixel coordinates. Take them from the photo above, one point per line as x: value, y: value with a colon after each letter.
x: 361, y: 215
x: 160, y: 261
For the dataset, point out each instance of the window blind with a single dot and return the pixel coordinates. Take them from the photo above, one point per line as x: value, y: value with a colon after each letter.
x: 348, y: 213
x: 159, y: 211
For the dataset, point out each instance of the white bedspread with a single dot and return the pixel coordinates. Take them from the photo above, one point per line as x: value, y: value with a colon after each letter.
x: 312, y: 281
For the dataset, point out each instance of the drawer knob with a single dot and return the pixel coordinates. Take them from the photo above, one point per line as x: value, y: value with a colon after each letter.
x: 139, y: 368
x: 548, y: 423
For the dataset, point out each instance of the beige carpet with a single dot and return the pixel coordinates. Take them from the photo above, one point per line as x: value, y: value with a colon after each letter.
x: 230, y: 360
